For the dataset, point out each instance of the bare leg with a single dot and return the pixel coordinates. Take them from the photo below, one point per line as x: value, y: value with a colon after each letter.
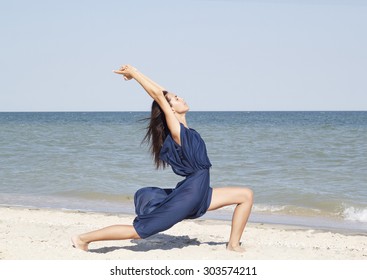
x: 115, y: 232
x: 243, y: 197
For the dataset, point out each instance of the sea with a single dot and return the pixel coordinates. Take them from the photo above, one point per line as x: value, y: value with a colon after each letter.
x: 307, y: 169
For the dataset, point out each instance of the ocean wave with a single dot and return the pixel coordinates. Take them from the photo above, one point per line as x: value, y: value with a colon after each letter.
x: 343, y: 211
x: 268, y: 208
x: 355, y: 214
x: 291, y: 210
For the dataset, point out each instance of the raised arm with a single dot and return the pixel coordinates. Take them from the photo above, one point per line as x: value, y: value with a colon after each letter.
x: 156, y: 92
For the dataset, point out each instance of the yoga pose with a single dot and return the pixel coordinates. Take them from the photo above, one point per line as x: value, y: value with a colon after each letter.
x: 173, y: 143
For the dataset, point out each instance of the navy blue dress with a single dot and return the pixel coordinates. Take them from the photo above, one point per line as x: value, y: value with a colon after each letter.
x: 159, y: 209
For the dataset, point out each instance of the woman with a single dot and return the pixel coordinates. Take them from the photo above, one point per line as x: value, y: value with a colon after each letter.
x: 173, y: 143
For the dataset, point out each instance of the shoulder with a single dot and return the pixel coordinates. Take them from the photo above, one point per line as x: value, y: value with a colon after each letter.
x: 182, y: 134
x: 189, y: 136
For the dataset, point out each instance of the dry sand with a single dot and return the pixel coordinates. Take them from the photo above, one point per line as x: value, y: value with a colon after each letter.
x: 40, y: 234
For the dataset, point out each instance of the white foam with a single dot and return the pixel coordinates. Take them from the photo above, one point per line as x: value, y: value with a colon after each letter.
x: 355, y: 214
x: 267, y: 208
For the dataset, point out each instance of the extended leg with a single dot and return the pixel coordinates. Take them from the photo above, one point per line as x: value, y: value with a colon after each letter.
x: 243, y: 197
x: 115, y: 232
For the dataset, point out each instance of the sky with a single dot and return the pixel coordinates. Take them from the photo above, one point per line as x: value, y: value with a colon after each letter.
x: 237, y: 55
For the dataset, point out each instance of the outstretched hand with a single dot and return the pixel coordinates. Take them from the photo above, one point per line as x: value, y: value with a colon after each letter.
x: 126, y: 71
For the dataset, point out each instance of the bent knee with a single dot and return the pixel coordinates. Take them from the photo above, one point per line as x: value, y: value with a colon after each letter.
x: 248, y: 195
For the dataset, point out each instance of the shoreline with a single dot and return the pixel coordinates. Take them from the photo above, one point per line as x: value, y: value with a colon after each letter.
x: 306, y: 222
x: 34, y: 233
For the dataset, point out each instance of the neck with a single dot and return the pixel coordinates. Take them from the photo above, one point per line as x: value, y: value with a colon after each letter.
x: 182, y: 119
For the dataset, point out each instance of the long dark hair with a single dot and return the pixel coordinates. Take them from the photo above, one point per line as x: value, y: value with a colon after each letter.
x: 157, y: 131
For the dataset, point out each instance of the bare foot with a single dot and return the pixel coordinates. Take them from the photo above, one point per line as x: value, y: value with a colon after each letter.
x: 78, y: 243
x: 237, y: 248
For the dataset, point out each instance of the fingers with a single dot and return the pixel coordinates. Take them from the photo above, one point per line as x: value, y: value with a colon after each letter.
x: 125, y: 67
x: 122, y: 69
x: 125, y: 70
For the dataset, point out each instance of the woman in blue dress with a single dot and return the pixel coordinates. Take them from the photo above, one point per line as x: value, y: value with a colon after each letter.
x: 173, y: 143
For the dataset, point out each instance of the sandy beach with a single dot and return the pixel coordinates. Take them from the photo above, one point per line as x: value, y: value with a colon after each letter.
x: 40, y: 234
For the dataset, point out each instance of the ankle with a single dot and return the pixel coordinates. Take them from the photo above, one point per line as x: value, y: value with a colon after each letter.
x: 82, y: 240
x: 233, y: 244
x: 79, y: 243
x: 236, y: 248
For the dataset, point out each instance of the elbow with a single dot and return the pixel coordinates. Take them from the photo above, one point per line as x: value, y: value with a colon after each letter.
x: 158, y: 93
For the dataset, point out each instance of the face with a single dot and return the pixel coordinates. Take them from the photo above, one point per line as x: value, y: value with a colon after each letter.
x: 177, y: 103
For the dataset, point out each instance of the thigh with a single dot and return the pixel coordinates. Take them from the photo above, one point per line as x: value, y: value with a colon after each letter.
x: 228, y: 196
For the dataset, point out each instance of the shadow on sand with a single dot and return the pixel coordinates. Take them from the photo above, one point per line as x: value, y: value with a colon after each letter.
x: 156, y: 242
